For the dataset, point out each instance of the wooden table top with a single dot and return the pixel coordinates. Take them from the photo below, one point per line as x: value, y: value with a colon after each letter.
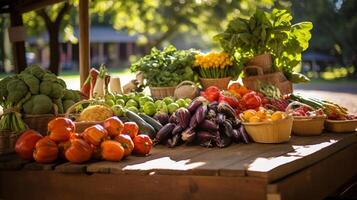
x: 268, y: 161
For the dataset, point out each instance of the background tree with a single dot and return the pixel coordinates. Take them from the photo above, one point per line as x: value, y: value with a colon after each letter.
x: 335, y: 26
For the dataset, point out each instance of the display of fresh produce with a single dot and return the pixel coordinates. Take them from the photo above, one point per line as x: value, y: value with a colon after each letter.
x: 142, y: 145
x: 126, y: 142
x: 332, y: 110
x: 213, y: 65
x: 78, y: 151
x: 205, y: 123
x: 95, y: 113
x: 174, y: 66
x: 262, y: 115
x: 112, y: 150
x: 46, y: 150
x: 25, y: 145
x: 266, y: 32
x: 302, y: 110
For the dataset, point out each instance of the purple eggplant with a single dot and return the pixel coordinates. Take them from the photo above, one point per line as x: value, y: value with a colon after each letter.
x: 183, y: 117
x: 220, y: 118
x: 223, y: 141
x: 174, y: 141
x: 177, y: 130
x: 208, y: 144
x: 227, y: 110
x: 208, y: 125
x: 245, y: 137
x: 227, y: 128
x: 213, y: 105
x: 201, y: 113
x: 236, y: 136
x: 211, y: 114
x: 203, y: 136
x: 173, y: 119
x: 188, y: 135
x: 194, y: 105
x: 163, y: 118
x: 236, y: 123
x: 193, y: 122
x: 164, y: 133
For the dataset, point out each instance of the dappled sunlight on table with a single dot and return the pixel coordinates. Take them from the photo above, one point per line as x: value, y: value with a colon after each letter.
x: 262, y: 164
x: 165, y: 163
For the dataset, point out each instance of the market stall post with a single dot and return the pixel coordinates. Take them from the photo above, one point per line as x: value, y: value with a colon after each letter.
x: 84, y: 43
x: 18, y: 43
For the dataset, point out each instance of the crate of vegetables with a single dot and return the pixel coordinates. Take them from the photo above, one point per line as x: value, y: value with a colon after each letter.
x: 307, y: 120
x: 266, y: 126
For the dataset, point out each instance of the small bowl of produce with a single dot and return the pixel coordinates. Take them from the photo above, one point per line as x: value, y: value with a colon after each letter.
x: 267, y: 126
x: 307, y: 121
x: 348, y: 124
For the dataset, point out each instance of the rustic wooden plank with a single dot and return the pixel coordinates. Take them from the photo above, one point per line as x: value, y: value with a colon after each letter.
x: 12, y: 162
x: 84, y: 43
x: 279, y: 166
x: 161, y: 156
x: 319, y: 180
x: 296, y: 142
x: 56, y: 186
x: 39, y: 166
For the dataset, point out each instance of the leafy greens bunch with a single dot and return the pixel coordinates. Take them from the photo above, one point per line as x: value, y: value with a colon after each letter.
x: 166, y: 68
x: 268, y: 33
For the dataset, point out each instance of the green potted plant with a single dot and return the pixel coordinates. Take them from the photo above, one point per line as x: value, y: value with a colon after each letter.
x: 252, y: 41
x: 164, y: 70
x: 214, y: 69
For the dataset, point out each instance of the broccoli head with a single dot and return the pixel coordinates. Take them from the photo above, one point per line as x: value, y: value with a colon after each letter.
x: 68, y: 95
x: 3, y: 88
x: 51, y: 89
x: 31, y: 81
x: 38, y: 104
x: 49, y: 77
x: 35, y: 70
x: 16, y: 89
x: 67, y: 104
x: 61, y: 82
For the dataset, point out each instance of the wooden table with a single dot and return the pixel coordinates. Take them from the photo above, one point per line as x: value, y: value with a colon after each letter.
x: 304, y: 168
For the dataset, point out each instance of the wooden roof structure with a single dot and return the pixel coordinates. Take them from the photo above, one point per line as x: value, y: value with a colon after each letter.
x: 18, y: 7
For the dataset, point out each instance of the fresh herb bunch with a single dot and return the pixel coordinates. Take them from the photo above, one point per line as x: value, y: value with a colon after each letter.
x: 166, y: 68
x: 213, y: 65
x: 268, y: 33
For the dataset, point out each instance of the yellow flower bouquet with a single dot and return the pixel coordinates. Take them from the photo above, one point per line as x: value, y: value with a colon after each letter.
x: 213, y: 65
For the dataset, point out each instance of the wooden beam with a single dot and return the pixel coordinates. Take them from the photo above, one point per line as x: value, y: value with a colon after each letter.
x: 19, y: 51
x: 84, y: 44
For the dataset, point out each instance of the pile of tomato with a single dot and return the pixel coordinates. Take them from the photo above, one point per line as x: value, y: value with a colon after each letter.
x: 113, y: 141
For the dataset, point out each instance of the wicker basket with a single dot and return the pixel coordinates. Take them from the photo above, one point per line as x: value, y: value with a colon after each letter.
x: 341, y: 126
x: 308, y: 126
x: 270, y: 132
x: 277, y: 79
x: 81, y: 126
x: 221, y: 83
x: 264, y: 61
x: 186, y: 89
x: 7, y: 141
x: 162, y: 92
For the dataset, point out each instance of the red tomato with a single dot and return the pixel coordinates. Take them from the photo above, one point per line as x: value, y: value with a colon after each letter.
x: 114, y: 126
x: 60, y: 129
x: 130, y: 128
x: 142, y: 144
x: 25, y: 145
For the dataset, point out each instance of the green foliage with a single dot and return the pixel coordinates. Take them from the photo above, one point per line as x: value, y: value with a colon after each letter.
x: 166, y: 68
x: 267, y: 33
x: 31, y: 81
x: 16, y: 90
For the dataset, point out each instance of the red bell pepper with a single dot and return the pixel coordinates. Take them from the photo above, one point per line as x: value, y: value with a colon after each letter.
x: 228, y: 98
x: 251, y: 100
x: 211, y: 93
x: 237, y: 89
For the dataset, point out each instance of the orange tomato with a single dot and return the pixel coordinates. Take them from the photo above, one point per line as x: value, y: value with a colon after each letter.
x: 130, y: 128
x: 112, y: 150
x: 114, y: 126
x: 74, y: 136
x: 126, y: 142
x: 94, y: 134
x: 46, y: 150
x: 26, y: 144
x: 142, y: 144
x: 60, y: 129
x: 79, y: 151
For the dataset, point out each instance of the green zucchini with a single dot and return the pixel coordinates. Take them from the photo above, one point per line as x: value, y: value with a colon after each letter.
x: 153, y: 122
x: 144, y: 127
